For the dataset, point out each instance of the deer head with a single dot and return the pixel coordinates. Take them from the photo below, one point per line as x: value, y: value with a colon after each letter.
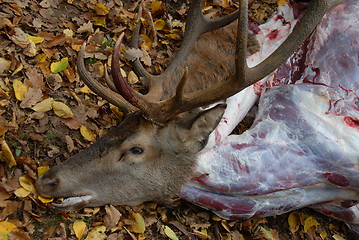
x: 153, y: 151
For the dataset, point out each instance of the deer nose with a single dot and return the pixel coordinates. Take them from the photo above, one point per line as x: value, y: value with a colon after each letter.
x: 46, y: 185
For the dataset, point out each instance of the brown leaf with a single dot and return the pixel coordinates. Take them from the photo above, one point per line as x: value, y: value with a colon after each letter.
x: 112, y: 217
x: 71, y: 123
x: 69, y: 143
x: 32, y: 96
x: 57, y: 41
x: 35, y: 79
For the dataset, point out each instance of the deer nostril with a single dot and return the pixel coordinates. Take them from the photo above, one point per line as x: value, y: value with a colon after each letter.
x: 47, y: 185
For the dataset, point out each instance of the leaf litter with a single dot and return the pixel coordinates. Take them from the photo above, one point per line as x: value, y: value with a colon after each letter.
x: 47, y: 114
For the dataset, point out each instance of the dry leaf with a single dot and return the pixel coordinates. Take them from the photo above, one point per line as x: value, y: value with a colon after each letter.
x: 281, y: 2
x: 140, y: 226
x: 87, y: 133
x: 27, y: 184
x: 19, y: 89
x: 35, y: 39
x: 32, y: 96
x: 159, y: 24
x: 22, y: 192
x: 62, y: 110
x: 41, y: 170
x: 4, y: 65
x: 45, y: 200
x: 6, y: 228
x: 44, y: 105
x: 293, y: 221
x: 310, y: 222
x: 7, y: 154
x: 170, y: 233
x: 79, y: 227
x: 112, y: 216
x: 97, y: 233
x: 132, y: 78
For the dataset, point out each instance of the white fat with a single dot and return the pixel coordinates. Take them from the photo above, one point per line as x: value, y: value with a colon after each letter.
x: 68, y: 202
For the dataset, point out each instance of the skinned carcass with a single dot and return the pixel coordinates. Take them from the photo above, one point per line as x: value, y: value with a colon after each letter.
x: 303, y: 147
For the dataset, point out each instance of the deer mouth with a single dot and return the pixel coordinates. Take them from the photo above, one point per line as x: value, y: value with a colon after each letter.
x: 73, y: 203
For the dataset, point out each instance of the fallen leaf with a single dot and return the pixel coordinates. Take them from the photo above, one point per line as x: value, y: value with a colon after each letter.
x: 112, y: 216
x: 45, y: 200
x: 310, y: 222
x: 4, y: 65
x: 132, y: 78
x: 31, y: 97
x: 59, y: 66
x: 27, y: 184
x: 7, y: 154
x: 68, y: 33
x: 103, y: 9
x: 293, y: 221
x: 62, y: 110
x: 19, y: 89
x: 338, y: 237
x: 97, y: 233
x: 170, y: 233
x: 79, y: 227
x: 44, y: 105
x: 173, y: 36
x: 281, y: 2
x: 35, y: 39
x: 22, y: 192
x: 6, y: 228
x: 41, y: 170
x: 140, y: 226
x: 159, y: 24
x: 87, y: 133
x: 268, y: 233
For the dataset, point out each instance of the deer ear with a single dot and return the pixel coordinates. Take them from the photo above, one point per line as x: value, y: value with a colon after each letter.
x: 200, y: 124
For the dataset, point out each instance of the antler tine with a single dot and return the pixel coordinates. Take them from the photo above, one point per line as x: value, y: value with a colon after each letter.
x: 99, y: 89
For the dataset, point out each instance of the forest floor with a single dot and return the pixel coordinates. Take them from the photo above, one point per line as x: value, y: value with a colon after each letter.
x: 39, y: 45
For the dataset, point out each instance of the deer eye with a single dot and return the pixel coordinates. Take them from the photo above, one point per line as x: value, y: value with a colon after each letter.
x: 136, y: 150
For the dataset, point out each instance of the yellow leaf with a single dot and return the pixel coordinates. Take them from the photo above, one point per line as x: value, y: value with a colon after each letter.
x: 6, y: 228
x: 156, y: 6
x: 45, y: 200
x: 132, y: 78
x: 79, y: 227
x: 310, y: 222
x: 19, y: 89
x: 97, y: 233
x: 173, y: 36
x: 216, y: 218
x: 281, y: 2
x: 100, y: 21
x: 102, y: 7
x: 159, y: 24
x: 27, y: 184
x: 41, y: 170
x: 44, y: 105
x: 41, y: 57
x: 293, y: 221
x: 62, y: 110
x: 18, y: 69
x: 35, y: 39
x: 86, y: 90
x: 22, y: 192
x: 68, y: 33
x: 7, y: 154
x: 225, y: 225
x: 59, y: 66
x: 323, y: 234
x: 140, y: 226
x: 87, y: 133
x: 170, y: 233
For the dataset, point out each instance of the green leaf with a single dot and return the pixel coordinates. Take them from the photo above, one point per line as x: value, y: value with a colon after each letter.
x: 57, y: 67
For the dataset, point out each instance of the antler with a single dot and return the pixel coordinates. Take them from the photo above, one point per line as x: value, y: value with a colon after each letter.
x: 161, y: 111
x: 99, y: 89
x: 196, y: 25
